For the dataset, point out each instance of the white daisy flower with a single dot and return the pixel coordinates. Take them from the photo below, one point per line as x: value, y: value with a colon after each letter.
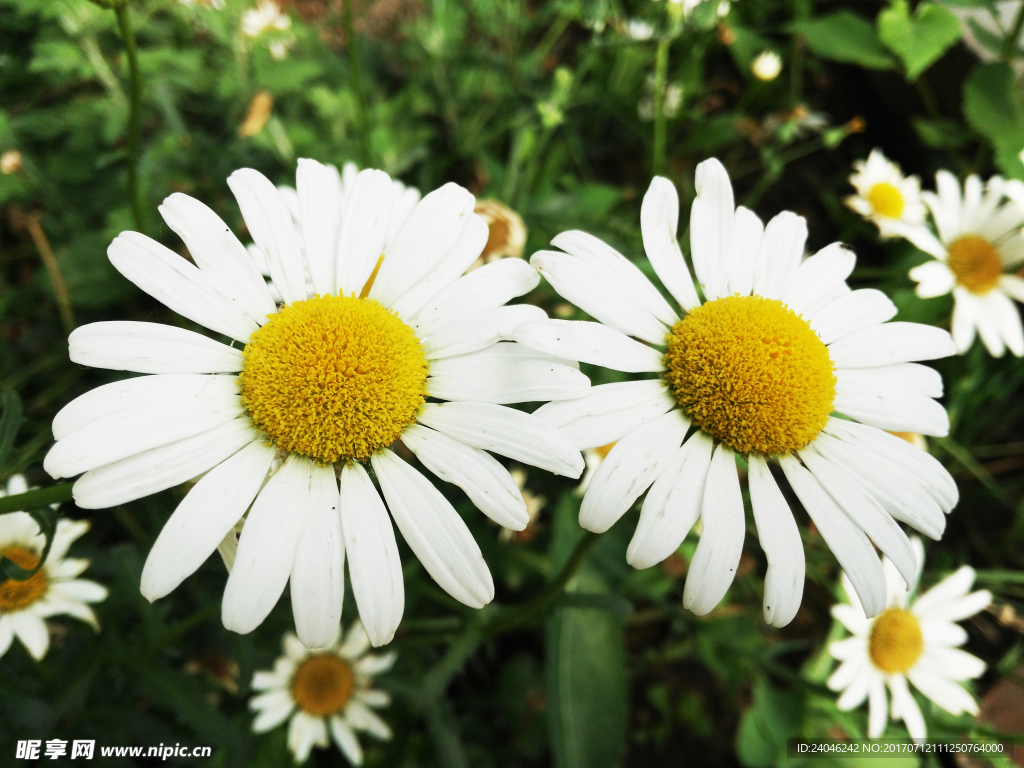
x: 885, y: 196
x: 265, y: 17
x: 758, y: 368
x: 53, y: 590
x: 912, y: 640
x: 325, y: 383
x: 325, y: 691
x: 979, y: 244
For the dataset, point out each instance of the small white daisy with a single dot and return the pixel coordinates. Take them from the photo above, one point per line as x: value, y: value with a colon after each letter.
x: 759, y: 368
x: 324, y: 385
x: 53, y: 590
x: 885, y: 196
x: 265, y: 17
x: 329, y: 691
x: 912, y: 640
x: 979, y: 244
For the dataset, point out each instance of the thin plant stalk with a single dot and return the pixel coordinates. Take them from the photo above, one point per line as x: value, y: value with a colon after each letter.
x: 660, y: 84
x: 60, y: 288
x: 124, y: 23
x: 356, y: 77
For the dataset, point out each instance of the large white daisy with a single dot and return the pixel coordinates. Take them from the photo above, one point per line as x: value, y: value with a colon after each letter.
x: 53, y: 590
x: 913, y: 639
x: 759, y: 368
x: 325, y: 691
x: 979, y: 244
x: 325, y: 384
x: 885, y: 196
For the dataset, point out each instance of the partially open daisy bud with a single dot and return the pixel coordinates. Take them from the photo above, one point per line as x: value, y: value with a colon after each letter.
x: 506, y: 232
x: 260, y: 108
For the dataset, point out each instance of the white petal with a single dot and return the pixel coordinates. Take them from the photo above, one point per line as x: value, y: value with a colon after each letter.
x: 320, y: 205
x: 478, y: 330
x: 855, y: 693
x: 782, y: 247
x: 780, y: 540
x: 178, y: 284
x: 891, y: 343
x: 961, y: 608
x: 966, y: 311
x: 488, y: 287
x: 505, y: 373
x: 1013, y: 286
x: 711, y: 223
x: 893, y: 410
x: 32, y: 632
x: 588, y: 342
x: 346, y: 740
x: 363, y: 233
x: 66, y: 534
x: 204, y: 516
x: 372, y: 665
x: 865, y: 512
x: 163, y: 467
x: 318, y: 573
x: 954, y: 586
x: 373, y: 561
x: 406, y: 199
x: 714, y: 564
x: 125, y: 434
x: 921, y: 237
x: 272, y: 228
x: 487, y: 483
x: 631, y: 466
x: 942, y: 633
x: 434, y: 531
x: 954, y: 663
x: 818, y: 275
x: 421, y: 244
x: 852, y: 618
x: 659, y: 220
x: 933, y: 279
x: 848, y: 543
x: 219, y: 254
x: 673, y: 503
x: 150, y: 348
x: 608, y: 411
x: 904, y: 707
x: 266, y: 547
x: 910, y: 377
x: 1007, y: 321
x: 362, y: 719
x: 507, y: 432
x: 356, y: 642
x: 304, y: 732
x: 748, y: 230
x: 878, y: 710
x: 79, y: 591
x: 855, y: 311
x: 275, y: 707
x: 851, y: 647
x: 947, y: 694
x: 596, y: 289
x: 374, y: 698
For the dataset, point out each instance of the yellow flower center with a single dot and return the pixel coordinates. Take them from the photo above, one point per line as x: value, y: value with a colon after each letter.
x: 16, y: 595
x: 975, y: 262
x: 322, y: 684
x: 886, y: 200
x: 751, y: 372
x: 334, y: 377
x: 896, y: 642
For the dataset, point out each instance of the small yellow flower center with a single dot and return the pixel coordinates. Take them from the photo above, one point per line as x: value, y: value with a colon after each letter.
x: 334, y: 377
x: 16, y: 595
x: 751, y: 372
x: 975, y: 262
x: 604, y: 450
x: 323, y: 684
x: 886, y: 200
x: 896, y: 642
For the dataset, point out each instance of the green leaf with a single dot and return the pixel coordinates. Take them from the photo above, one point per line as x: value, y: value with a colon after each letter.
x: 10, y: 421
x: 941, y: 133
x: 844, y: 36
x: 919, y: 39
x: 773, y: 717
x: 993, y: 105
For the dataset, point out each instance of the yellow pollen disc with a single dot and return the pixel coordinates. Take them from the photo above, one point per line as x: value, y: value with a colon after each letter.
x: 752, y: 373
x: 334, y: 377
x: 322, y: 684
x: 16, y: 595
x: 975, y: 262
x: 604, y: 450
x: 896, y: 642
x: 886, y: 200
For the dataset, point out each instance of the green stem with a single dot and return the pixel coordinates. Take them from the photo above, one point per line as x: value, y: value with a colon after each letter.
x: 660, y: 83
x: 1010, y: 43
x: 124, y: 23
x: 356, y: 78
x: 41, y: 497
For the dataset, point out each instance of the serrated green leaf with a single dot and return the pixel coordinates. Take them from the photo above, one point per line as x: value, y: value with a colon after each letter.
x: 994, y: 106
x: 844, y: 36
x: 920, y: 39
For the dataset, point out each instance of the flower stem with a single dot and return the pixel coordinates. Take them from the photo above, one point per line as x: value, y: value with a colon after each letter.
x: 660, y: 84
x: 60, y: 288
x: 124, y: 23
x: 41, y: 497
x: 355, y: 75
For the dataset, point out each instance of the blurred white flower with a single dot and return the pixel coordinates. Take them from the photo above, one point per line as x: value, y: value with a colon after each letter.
x: 885, y: 196
x: 673, y: 100
x: 265, y: 17
x: 912, y: 640
x: 53, y: 590
x: 639, y: 30
x: 534, y: 505
x: 324, y: 691
x: 979, y: 243
x: 689, y: 5
x: 10, y: 162
x: 766, y: 66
